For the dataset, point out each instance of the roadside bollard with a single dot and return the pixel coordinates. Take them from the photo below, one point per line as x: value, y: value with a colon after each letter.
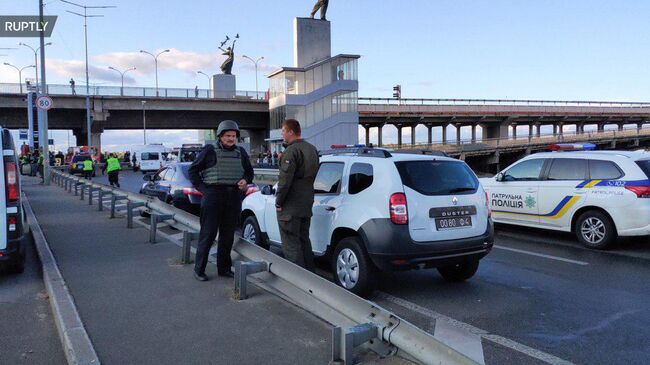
x: 242, y: 269
x: 186, y: 250
x: 84, y: 188
x: 114, y: 200
x: 100, y: 198
x: 91, y: 190
x: 156, y: 218
x: 76, y: 187
x: 130, y: 206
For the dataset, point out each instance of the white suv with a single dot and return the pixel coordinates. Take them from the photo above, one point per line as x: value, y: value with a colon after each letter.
x: 12, y: 223
x: 374, y: 209
x: 598, y: 195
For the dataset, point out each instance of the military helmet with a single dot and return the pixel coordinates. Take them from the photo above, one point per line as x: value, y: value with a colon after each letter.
x: 227, y: 125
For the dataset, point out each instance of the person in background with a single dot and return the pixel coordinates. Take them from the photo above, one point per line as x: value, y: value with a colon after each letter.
x: 113, y: 169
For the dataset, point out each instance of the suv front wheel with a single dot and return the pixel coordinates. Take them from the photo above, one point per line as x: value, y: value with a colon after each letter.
x: 352, y: 267
x: 459, y: 272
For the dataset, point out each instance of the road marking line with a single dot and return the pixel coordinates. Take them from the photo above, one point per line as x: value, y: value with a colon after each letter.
x: 550, y: 257
x: 505, y: 342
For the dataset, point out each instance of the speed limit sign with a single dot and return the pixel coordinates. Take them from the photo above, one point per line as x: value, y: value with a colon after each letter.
x: 44, y: 102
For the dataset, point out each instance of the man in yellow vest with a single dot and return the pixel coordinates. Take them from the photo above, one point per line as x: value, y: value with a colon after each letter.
x: 113, y: 169
x: 88, y: 168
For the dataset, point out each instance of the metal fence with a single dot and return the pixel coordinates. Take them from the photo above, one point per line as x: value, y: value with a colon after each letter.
x: 357, y: 320
x: 140, y: 92
x: 416, y: 101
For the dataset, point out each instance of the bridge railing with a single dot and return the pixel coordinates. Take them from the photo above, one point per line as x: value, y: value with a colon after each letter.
x: 140, y: 92
x: 469, y: 145
x: 415, y: 101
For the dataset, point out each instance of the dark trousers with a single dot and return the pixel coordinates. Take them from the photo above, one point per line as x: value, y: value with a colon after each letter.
x: 88, y: 174
x: 220, y: 209
x: 113, y: 178
x: 296, y: 245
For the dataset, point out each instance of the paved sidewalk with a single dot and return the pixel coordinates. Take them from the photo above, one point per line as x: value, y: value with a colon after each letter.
x: 139, y: 306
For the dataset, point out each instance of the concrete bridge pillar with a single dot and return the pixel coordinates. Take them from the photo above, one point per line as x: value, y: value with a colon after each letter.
x: 554, y: 129
x: 473, y: 133
x: 256, y: 140
x: 580, y: 128
x: 444, y: 133
x: 530, y: 130
x: 429, y: 134
x: 538, y: 130
x: 413, y: 134
x: 399, y: 135
x: 495, y: 130
x: 601, y: 127
x: 380, y: 128
x: 458, y: 126
x: 620, y: 126
x: 367, y: 128
x: 514, y: 130
x: 639, y: 125
x: 560, y: 127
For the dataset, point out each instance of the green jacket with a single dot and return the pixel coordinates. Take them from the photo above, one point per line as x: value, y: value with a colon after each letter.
x: 298, y: 168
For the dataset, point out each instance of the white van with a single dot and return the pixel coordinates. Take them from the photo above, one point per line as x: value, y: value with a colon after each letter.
x: 151, y: 157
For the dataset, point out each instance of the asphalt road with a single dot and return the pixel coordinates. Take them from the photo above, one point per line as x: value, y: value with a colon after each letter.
x: 27, y: 331
x: 538, y: 297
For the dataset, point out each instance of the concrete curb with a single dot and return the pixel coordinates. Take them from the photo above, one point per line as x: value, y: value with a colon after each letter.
x: 76, y: 344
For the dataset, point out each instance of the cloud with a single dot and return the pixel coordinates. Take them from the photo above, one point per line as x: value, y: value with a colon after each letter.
x: 77, y: 70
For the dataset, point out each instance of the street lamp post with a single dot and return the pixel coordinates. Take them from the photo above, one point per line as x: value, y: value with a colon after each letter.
x: 86, y: 16
x: 20, y: 74
x: 144, y: 122
x: 35, y: 59
x: 155, y: 60
x: 122, y: 73
x: 257, y: 91
x: 206, y: 75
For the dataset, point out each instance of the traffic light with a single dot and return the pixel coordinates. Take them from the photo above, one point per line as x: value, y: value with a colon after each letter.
x: 397, y: 91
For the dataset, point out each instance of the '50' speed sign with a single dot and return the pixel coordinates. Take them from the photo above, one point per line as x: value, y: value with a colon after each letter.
x: 44, y: 102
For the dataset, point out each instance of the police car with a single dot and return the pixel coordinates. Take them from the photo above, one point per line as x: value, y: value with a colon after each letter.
x: 598, y: 195
x: 12, y: 218
x: 380, y: 210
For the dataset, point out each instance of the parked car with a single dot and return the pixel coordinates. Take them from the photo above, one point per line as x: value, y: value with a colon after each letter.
x: 377, y: 210
x: 13, y: 227
x: 76, y: 165
x: 597, y: 195
x: 171, y: 184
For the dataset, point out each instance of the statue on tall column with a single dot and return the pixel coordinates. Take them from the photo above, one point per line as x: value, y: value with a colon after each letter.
x: 322, y: 5
x: 229, y: 52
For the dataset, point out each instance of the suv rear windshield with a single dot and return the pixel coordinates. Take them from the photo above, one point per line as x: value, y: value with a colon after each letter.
x: 645, y: 166
x: 437, y: 177
x: 79, y: 158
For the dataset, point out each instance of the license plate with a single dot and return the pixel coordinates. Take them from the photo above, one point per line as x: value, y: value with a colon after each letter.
x: 453, y: 223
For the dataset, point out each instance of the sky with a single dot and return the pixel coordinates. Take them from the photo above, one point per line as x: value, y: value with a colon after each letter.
x: 547, y: 49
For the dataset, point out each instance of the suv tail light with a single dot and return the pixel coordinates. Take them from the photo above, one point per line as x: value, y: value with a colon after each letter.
x: 640, y: 191
x: 251, y: 189
x: 192, y: 191
x: 398, y: 209
x: 11, y: 180
x: 11, y: 224
x: 487, y: 205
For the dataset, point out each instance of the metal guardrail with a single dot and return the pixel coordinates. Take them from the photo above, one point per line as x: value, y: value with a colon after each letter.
x: 416, y: 101
x: 364, y: 319
x: 140, y: 92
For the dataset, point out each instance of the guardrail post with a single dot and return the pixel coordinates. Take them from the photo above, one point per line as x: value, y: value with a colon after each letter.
x: 84, y: 187
x: 91, y: 190
x: 130, y: 206
x: 100, y: 199
x: 242, y: 269
x: 76, y: 187
x: 344, y: 341
x: 187, y: 246
x: 114, y: 199
x: 153, y: 227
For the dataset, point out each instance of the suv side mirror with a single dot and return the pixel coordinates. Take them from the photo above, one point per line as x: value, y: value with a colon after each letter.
x: 499, y: 177
x: 268, y: 190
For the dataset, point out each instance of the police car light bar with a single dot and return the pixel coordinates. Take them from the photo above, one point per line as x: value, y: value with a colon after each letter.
x: 572, y: 147
x: 347, y: 146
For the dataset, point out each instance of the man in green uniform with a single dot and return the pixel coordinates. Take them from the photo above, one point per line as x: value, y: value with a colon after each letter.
x: 88, y: 169
x: 113, y: 169
x: 295, y: 195
x: 40, y: 166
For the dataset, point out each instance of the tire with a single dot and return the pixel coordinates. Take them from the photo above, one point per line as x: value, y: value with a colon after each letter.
x: 595, y: 229
x: 250, y: 231
x: 352, y: 267
x: 459, y: 272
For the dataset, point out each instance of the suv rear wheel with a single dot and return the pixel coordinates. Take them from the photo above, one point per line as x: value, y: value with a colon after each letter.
x: 352, y: 267
x: 595, y: 229
x: 251, y: 232
x: 459, y: 272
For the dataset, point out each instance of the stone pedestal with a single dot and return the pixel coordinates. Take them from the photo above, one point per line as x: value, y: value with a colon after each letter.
x: 311, y: 41
x: 224, y: 86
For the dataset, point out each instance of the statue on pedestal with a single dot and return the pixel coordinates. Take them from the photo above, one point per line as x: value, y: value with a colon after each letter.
x: 229, y: 52
x: 322, y: 5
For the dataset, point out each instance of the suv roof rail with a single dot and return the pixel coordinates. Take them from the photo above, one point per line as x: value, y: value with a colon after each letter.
x: 358, y: 151
x: 424, y: 152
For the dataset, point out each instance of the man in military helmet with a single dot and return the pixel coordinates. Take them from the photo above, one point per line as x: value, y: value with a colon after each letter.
x: 295, y: 195
x: 221, y: 172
